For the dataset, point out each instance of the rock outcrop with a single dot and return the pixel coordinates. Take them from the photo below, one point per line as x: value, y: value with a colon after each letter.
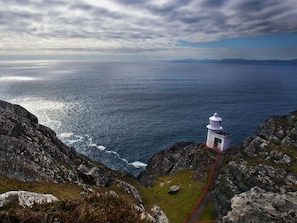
x: 267, y: 160
x: 258, y: 184
x: 26, y: 199
x: 179, y: 156
x: 32, y: 152
x: 265, y: 167
x: 257, y: 205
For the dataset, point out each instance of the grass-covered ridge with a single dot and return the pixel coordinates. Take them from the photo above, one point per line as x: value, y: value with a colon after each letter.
x: 176, y: 206
x: 97, y: 206
x: 93, y: 208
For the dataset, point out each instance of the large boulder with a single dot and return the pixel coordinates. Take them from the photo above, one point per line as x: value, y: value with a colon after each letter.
x: 256, y: 205
x: 26, y: 199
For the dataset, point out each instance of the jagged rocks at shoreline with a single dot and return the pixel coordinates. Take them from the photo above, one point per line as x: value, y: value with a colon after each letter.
x: 32, y: 152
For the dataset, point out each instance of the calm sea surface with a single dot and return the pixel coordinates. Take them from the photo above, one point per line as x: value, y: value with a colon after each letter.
x: 123, y: 113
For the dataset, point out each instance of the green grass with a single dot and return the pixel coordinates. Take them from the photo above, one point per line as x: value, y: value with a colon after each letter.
x: 176, y: 206
x: 61, y: 191
x: 208, y: 213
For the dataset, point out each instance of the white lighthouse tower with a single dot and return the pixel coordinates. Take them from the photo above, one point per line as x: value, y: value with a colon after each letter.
x: 216, y: 137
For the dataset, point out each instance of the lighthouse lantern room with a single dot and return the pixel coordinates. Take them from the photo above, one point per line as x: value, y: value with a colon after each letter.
x: 216, y: 137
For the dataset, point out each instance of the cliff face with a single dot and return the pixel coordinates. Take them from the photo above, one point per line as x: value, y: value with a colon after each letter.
x: 32, y: 152
x: 179, y: 156
x: 259, y: 178
x: 257, y: 205
x: 268, y: 161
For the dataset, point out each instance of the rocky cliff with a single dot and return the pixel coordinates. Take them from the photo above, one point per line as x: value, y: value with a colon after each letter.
x: 261, y: 172
x: 260, y: 178
x: 32, y: 152
x: 177, y: 157
x: 268, y: 160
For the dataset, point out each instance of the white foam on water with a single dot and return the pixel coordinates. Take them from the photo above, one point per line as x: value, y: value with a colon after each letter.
x: 48, y: 112
x: 70, y: 138
x: 138, y: 164
x: 66, y: 134
x: 85, y: 145
x: 135, y: 164
x: 101, y: 148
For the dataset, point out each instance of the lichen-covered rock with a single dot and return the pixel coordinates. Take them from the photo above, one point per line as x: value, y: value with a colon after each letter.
x: 257, y: 205
x: 26, y: 198
x: 32, y: 152
x: 158, y: 215
x: 130, y: 189
x: 279, y: 129
x: 237, y: 177
x: 267, y: 160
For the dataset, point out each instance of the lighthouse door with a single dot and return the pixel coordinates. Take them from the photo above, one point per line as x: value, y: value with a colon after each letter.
x: 217, y: 141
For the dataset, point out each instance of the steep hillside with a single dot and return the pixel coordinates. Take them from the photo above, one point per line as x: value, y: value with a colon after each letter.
x: 32, y: 152
x: 33, y: 159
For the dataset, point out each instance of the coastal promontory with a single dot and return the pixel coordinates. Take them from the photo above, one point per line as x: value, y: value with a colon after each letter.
x: 255, y: 182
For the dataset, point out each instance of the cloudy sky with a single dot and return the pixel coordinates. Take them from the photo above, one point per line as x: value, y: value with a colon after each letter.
x: 148, y: 29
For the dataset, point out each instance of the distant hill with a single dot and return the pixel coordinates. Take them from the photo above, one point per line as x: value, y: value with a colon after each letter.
x: 239, y: 61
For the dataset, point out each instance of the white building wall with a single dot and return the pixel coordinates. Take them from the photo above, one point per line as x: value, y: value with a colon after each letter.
x: 218, y: 141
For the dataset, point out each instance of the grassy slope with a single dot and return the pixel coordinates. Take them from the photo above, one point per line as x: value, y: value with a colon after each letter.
x: 176, y: 206
x: 61, y: 191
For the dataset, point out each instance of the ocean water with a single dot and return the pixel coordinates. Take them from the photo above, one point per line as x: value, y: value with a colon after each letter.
x: 123, y: 113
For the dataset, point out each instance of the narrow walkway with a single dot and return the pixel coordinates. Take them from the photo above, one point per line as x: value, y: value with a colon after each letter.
x: 204, y: 198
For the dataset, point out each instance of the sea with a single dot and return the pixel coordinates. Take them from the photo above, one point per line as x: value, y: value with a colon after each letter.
x: 121, y: 113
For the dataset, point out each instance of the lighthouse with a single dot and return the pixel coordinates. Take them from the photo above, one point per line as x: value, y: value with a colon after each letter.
x: 216, y: 137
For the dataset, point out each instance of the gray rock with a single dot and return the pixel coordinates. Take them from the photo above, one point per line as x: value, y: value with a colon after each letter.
x: 173, y: 189
x: 270, y: 146
x: 158, y: 215
x: 26, y: 198
x: 130, y: 189
x: 256, y: 205
x: 179, y: 156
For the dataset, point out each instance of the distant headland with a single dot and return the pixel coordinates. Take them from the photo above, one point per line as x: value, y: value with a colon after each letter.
x: 239, y: 61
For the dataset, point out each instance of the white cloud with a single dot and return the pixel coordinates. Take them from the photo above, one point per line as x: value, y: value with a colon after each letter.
x: 135, y: 26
